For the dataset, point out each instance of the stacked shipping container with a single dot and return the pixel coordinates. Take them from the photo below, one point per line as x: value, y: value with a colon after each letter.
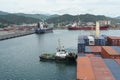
x: 84, y: 69
x: 113, y: 40
x: 100, y: 69
x: 116, y: 48
x: 101, y: 41
x: 81, y: 54
x: 90, y: 67
x: 86, y: 40
x: 88, y: 49
x: 93, y: 49
x: 113, y: 67
x: 93, y: 68
x: 81, y: 44
x: 91, y: 40
x: 96, y: 49
x: 108, y: 52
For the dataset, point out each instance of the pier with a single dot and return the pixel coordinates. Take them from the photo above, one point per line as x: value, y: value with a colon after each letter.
x: 13, y: 34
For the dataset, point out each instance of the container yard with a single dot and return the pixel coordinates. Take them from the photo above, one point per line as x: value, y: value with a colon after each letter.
x: 98, y: 57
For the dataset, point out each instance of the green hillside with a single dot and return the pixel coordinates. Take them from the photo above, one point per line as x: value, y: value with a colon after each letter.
x: 11, y: 18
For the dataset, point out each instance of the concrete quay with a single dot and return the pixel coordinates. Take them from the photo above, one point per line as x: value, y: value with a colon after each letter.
x: 13, y: 34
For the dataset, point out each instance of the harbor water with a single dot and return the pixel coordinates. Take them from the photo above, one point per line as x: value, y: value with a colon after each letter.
x: 19, y: 57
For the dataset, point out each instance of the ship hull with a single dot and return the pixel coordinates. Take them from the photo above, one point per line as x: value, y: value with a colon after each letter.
x: 46, y: 30
x: 87, y: 28
x: 51, y: 57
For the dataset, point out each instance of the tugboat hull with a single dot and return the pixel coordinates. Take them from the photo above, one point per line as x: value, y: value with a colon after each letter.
x: 46, y: 59
x: 58, y: 59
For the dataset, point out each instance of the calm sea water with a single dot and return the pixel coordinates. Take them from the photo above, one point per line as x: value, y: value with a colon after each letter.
x: 19, y: 57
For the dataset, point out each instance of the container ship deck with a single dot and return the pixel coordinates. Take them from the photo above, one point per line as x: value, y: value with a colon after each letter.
x: 98, y: 57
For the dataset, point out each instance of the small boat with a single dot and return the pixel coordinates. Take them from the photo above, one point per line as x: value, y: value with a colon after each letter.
x: 60, y: 56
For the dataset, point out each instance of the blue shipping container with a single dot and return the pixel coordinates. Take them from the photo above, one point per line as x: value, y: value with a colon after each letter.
x: 88, y: 49
x: 97, y: 42
x: 81, y: 47
x: 86, y: 40
x: 113, y: 67
x: 102, y: 41
x: 81, y: 54
x: 116, y: 48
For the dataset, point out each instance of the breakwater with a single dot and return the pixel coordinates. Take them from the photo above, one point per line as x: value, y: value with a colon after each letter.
x: 13, y: 34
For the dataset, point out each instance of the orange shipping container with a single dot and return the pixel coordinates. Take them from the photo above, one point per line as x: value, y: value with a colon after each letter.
x: 100, y: 69
x: 96, y: 49
x: 84, y: 69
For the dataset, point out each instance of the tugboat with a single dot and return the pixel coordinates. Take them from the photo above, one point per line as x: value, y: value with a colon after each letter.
x: 60, y: 56
x: 42, y: 27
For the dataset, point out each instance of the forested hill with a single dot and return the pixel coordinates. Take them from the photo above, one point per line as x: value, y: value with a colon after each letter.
x: 71, y: 18
x: 11, y: 18
x: 19, y: 18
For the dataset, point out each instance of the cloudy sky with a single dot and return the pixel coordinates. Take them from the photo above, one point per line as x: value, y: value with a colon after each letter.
x: 98, y: 7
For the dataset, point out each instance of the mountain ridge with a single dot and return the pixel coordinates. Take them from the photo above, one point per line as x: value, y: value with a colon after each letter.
x: 55, y: 19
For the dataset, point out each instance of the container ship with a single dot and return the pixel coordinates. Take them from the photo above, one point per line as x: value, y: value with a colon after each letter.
x: 104, y: 27
x: 98, y: 57
x: 43, y: 28
x: 77, y: 26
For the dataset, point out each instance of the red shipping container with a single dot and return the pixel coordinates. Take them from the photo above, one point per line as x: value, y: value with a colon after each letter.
x: 108, y: 52
x: 113, y: 40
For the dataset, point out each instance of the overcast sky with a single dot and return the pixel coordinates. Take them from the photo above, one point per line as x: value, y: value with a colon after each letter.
x: 98, y: 7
